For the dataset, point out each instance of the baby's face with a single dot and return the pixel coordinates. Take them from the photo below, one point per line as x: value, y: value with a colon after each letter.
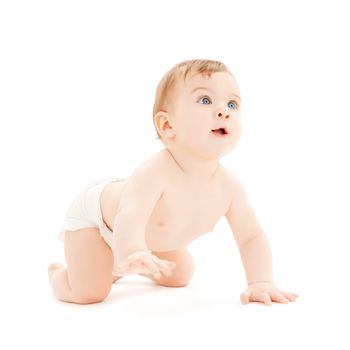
x: 203, y: 104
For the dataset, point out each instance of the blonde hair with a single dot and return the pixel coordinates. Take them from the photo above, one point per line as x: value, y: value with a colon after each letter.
x: 182, y: 70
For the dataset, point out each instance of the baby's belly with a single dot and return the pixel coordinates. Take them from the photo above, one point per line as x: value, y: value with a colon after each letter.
x: 164, y: 231
x: 162, y: 238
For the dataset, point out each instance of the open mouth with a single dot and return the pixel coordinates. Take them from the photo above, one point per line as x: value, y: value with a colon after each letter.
x: 220, y: 131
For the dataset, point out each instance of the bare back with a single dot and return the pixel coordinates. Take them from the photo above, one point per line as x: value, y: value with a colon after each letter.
x: 184, y: 212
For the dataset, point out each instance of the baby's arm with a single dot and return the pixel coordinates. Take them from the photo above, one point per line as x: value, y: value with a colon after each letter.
x: 254, y: 249
x: 250, y: 238
x: 139, y: 196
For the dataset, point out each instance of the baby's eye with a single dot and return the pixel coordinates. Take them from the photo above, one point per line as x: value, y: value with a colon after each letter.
x: 233, y: 103
x: 204, y: 99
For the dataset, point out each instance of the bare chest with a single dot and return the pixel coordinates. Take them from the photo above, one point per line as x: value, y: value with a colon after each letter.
x: 182, y: 214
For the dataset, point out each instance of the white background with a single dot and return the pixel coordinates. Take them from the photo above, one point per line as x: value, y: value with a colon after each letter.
x: 77, y: 86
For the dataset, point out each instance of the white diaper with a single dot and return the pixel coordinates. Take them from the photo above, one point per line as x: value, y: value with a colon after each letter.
x: 85, y: 210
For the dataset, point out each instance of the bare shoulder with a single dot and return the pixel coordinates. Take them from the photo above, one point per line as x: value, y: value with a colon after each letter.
x: 150, y: 170
x: 144, y: 187
x: 230, y: 179
x: 233, y: 184
x: 165, y: 167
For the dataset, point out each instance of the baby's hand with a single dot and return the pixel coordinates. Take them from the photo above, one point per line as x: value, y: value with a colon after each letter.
x: 146, y: 263
x: 266, y: 293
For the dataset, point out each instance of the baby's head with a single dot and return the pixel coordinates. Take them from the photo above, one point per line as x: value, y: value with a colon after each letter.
x: 185, y: 115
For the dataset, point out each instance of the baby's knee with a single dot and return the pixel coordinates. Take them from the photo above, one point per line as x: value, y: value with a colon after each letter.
x: 90, y: 298
x: 182, y: 273
x: 176, y: 280
x: 91, y: 293
x: 181, y: 277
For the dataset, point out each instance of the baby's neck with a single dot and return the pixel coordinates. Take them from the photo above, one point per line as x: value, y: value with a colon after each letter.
x: 196, y: 169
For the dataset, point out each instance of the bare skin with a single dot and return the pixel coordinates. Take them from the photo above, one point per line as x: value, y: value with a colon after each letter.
x: 184, y: 212
x: 195, y: 192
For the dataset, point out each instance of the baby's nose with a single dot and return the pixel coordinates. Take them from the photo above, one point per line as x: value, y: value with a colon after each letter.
x: 224, y: 114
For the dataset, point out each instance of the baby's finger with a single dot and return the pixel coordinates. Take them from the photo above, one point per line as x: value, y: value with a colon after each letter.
x: 164, y: 267
x: 171, y: 264
x: 265, y: 298
x: 279, y: 297
x: 289, y: 296
x: 152, y: 268
x: 245, y: 297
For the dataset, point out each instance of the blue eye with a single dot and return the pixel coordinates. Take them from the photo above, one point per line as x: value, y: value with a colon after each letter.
x: 205, y: 98
x: 232, y: 103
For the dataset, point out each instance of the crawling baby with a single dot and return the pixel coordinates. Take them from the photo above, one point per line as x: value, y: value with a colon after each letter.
x: 142, y: 225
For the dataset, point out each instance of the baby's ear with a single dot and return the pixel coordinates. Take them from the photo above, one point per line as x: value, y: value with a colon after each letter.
x: 162, y: 123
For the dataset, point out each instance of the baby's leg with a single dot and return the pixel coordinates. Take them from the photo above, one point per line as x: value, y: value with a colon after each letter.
x: 89, y: 268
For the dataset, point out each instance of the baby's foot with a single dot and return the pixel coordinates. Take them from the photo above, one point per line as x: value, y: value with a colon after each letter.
x: 53, y: 267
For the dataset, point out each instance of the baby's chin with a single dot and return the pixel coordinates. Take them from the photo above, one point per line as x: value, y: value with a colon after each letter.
x: 203, y: 150
x: 214, y: 155
x: 220, y: 154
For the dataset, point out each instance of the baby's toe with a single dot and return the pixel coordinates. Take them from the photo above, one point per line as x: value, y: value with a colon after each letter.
x: 53, y: 267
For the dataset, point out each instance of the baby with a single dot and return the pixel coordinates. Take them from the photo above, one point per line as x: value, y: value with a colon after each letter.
x: 142, y: 225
